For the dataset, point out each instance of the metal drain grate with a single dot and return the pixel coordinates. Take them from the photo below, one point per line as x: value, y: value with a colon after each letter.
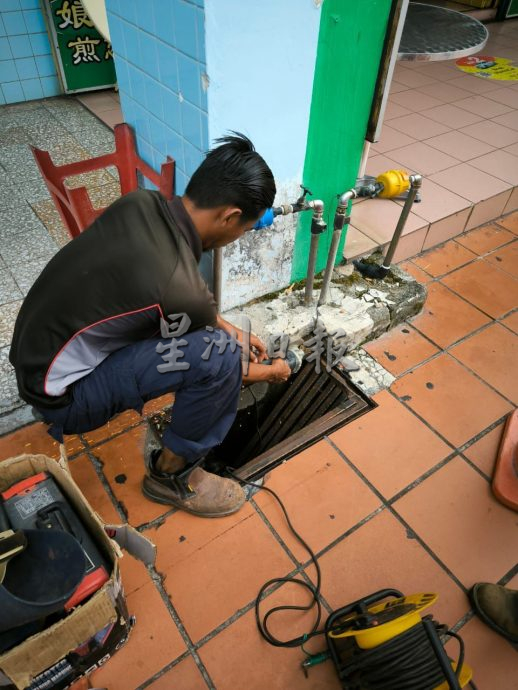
x: 313, y: 405
x: 282, y: 420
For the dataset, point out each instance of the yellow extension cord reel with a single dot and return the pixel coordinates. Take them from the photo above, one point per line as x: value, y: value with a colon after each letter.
x: 383, y: 641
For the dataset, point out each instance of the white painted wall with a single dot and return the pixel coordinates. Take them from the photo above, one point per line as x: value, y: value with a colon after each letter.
x: 260, y: 66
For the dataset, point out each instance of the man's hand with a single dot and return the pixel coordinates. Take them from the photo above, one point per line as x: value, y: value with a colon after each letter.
x: 260, y: 353
x: 256, y: 343
x: 279, y: 371
x: 276, y: 372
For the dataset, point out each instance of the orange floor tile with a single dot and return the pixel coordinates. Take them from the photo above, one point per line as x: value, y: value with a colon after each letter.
x: 505, y: 258
x: 224, y: 576
x: 444, y: 259
x: 35, y: 439
x: 446, y: 317
x: 391, y: 557
x: 85, y: 476
x: 317, y: 499
x: 455, y: 513
x: 493, y: 355
x: 184, y: 675
x: 373, y: 444
x: 485, y: 239
x: 511, y: 321
x: 153, y: 642
x: 452, y: 400
x: 415, y: 271
x: 122, y: 460
x: 488, y: 288
x: 483, y: 453
x: 119, y: 423
x: 401, y: 349
x: 510, y: 222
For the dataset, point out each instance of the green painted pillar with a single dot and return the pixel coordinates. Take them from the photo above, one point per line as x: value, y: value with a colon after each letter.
x: 350, y: 45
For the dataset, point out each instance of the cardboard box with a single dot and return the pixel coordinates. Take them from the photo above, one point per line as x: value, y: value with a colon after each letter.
x: 76, y: 645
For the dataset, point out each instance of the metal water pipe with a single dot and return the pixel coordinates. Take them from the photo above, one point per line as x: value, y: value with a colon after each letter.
x: 415, y: 186
x: 340, y: 220
x: 301, y: 204
x: 370, y: 270
x: 318, y: 226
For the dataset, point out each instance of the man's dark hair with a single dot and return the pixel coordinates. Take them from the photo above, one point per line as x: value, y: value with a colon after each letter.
x: 233, y: 174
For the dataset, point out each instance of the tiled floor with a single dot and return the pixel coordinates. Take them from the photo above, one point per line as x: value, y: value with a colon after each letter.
x: 31, y: 230
x: 459, y: 131
x: 399, y: 498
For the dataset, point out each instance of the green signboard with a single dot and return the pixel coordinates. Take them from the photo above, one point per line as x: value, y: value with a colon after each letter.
x: 85, y: 58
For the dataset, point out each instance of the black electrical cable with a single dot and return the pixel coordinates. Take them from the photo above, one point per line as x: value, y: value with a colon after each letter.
x: 460, y: 659
x: 314, y: 589
x: 256, y: 410
x: 405, y: 662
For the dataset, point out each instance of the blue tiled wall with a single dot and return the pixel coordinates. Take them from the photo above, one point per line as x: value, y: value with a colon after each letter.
x: 159, y: 49
x: 27, y: 69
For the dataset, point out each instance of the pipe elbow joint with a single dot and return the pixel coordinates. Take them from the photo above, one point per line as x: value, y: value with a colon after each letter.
x: 347, y: 196
x: 416, y: 180
x: 317, y: 205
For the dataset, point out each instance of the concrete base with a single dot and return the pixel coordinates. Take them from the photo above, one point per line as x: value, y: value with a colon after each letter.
x: 361, y: 307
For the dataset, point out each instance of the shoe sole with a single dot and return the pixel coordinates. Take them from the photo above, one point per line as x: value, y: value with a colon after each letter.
x: 491, y: 624
x: 170, y: 502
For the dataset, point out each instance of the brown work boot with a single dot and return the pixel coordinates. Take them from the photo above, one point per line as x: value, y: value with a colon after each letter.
x: 196, y: 491
x: 497, y: 607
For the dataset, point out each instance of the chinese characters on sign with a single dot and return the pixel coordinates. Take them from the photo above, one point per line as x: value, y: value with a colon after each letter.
x: 84, y: 50
x: 322, y: 346
x: 86, y: 58
x: 73, y: 14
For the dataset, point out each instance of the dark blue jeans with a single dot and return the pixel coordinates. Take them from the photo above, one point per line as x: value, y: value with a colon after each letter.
x: 206, y: 395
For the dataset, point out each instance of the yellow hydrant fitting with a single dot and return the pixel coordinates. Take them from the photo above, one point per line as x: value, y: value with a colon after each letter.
x: 394, y: 183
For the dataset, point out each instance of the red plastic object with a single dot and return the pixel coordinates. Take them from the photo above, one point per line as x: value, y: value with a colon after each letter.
x: 74, y: 205
x: 505, y: 478
x: 89, y: 585
x: 25, y: 486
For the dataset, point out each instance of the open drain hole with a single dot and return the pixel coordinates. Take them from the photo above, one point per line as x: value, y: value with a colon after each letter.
x: 276, y: 421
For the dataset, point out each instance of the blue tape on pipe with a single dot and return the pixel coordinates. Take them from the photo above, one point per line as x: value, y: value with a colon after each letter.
x: 265, y: 221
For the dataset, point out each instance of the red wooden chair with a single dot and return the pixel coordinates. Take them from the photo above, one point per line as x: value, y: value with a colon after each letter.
x: 74, y: 205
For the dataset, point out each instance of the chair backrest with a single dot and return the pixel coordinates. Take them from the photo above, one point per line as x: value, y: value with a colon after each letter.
x: 74, y: 205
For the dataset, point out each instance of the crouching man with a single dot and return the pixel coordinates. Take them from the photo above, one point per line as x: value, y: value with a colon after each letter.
x: 87, y: 342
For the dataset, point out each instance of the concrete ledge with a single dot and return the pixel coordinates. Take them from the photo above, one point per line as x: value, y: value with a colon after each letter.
x: 361, y: 307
